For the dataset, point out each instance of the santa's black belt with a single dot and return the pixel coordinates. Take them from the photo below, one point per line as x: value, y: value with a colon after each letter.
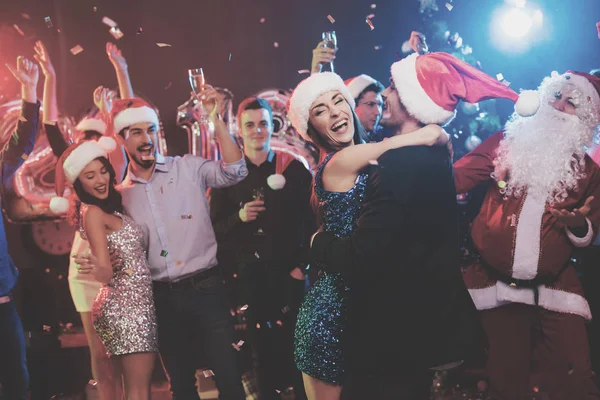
x: 523, y: 283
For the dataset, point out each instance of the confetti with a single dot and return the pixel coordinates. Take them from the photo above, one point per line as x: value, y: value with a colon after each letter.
x: 378, y: 47
x: 164, y: 253
x: 244, y: 307
x: 262, y: 20
x: 179, y: 264
x: 26, y: 16
x: 370, y: 24
x: 109, y: 22
x: 331, y: 19
x: 500, y: 77
x: 24, y: 156
x: 163, y: 45
x: 76, y: 50
x: 95, y: 8
x: 449, y: 6
x: 276, y: 45
x: 256, y: 252
x: 139, y: 31
x: 257, y: 326
x: 279, y: 323
x: 371, y: 16
x: 46, y: 328
x: 60, y: 277
x: 47, y: 270
x: 168, y: 85
x: 373, y: 6
x: 48, y: 22
x: 116, y: 32
x: 229, y: 56
x: 208, y: 373
x: 303, y: 71
x: 18, y: 29
x: 598, y: 29
x: 505, y: 83
x: 285, y: 309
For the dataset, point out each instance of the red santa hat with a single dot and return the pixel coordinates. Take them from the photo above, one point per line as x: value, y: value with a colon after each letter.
x: 359, y: 83
x: 91, y: 124
x: 431, y: 85
x: 305, y: 94
x: 127, y: 112
x: 72, y: 162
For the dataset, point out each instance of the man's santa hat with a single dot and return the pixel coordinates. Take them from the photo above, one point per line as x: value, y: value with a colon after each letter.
x: 359, y: 83
x: 72, y: 162
x: 91, y: 124
x: 589, y: 86
x: 127, y: 112
x: 305, y: 94
x: 431, y: 85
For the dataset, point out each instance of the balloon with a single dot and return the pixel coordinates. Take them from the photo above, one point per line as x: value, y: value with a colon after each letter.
x: 472, y: 142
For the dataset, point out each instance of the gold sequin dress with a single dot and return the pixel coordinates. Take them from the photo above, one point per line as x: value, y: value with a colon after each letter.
x: 123, y: 311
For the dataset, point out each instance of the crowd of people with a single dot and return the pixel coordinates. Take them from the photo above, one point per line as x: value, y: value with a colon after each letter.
x: 377, y: 218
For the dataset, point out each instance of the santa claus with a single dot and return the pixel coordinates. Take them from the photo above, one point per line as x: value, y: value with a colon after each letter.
x: 540, y: 205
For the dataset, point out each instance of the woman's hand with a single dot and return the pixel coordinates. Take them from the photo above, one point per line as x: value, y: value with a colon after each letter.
x: 115, y: 56
x: 87, y: 263
x: 43, y: 58
x: 103, y: 99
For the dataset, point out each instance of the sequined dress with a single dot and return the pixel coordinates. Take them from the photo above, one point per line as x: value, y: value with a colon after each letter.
x: 318, y: 339
x: 123, y: 311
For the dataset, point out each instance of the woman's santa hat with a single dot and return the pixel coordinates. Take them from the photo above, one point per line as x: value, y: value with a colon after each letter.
x: 305, y: 94
x: 431, y: 85
x: 127, y: 112
x: 359, y: 83
x: 72, y: 162
x: 91, y: 124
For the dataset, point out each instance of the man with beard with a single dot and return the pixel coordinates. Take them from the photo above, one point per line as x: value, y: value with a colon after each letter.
x: 538, y: 207
x: 403, y: 258
x: 167, y: 194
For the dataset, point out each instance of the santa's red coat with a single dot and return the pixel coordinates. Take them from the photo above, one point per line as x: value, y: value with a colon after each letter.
x: 520, y: 238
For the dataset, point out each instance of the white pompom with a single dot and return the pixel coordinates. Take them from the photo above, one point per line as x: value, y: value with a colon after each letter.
x: 107, y: 143
x: 276, y: 181
x: 528, y: 103
x: 59, y: 205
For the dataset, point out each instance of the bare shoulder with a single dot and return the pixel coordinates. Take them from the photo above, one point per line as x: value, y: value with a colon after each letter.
x: 93, y: 216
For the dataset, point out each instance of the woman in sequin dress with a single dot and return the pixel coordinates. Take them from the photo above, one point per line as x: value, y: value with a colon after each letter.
x: 322, y: 111
x: 123, y: 311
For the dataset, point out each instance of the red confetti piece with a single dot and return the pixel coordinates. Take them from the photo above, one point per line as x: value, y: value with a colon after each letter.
x: 276, y: 44
x: 331, y: 19
x: 378, y: 47
x: 370, y: 16
x: 370, y: 24
x: 18, y: 30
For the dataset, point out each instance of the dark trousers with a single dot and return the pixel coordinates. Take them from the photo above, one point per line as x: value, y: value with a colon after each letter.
x: 524, y: 339
x: 194, y: 313
x: 273, y: 298
x: 408, y: 386
x: 14, y: 376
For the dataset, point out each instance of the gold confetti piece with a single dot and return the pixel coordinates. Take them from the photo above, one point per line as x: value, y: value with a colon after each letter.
x: 109, y: 22
x: 449, y: 6
x: 370, y: 16
x: 303, y: 71
x: 116, y: 32
x: 370, y: 24
x: 500, y: 77
x: 24, y: 156
x: 48, y: 22
x: 46, y: 328
x: 128, y: 271
x: 163, y: 45
x: 276, y: 44
x: 18, y: 30
x: 262, y: 20
x: 378, y: 47
x: 208, y: 373
x: 26, y: 16
x: 373, y: 6
x: 331, y: 19
x: 76, y: 50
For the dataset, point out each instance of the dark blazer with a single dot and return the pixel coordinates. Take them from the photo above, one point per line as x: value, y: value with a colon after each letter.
x: 409, y: 307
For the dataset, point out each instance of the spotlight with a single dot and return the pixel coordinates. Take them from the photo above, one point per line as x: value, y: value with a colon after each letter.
x: 516, y: 23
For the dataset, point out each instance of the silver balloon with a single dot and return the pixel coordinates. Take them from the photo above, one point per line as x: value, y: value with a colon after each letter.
x: 472, y: 142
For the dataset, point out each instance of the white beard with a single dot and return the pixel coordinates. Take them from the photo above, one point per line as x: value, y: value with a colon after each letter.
x: 543, y: 154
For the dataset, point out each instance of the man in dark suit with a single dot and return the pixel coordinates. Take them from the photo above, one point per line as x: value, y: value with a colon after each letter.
x: 403, y: 257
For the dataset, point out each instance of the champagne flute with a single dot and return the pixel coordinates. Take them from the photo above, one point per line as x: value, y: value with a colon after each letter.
x: 198, y: 83
x: 330, y: 40
x: 259, y: 194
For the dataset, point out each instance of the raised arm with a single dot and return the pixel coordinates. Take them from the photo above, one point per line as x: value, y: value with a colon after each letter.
x: 347, y: 163
x: 475, y: 167
x: 22, y: 142
x: 321, y: 55
x: 118, y: 61
x: 230, y: 151
x: 103, y: 100
x: 94, y: 226
x: 49, y: 99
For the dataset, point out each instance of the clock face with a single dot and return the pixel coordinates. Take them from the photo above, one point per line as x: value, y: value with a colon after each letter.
x: 53, y: 237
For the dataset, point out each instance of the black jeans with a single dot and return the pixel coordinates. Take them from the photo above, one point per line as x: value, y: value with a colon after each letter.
x: 14, y: 376
x: 194, y: 313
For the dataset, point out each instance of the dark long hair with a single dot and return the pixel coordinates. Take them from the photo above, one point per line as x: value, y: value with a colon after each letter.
x: 328, y: 145
x: 114, y: 201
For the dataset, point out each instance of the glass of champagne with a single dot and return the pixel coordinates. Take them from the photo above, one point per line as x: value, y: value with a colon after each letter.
x: 330, y: 40
x: 259, y: 194
x: 198, y: 84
